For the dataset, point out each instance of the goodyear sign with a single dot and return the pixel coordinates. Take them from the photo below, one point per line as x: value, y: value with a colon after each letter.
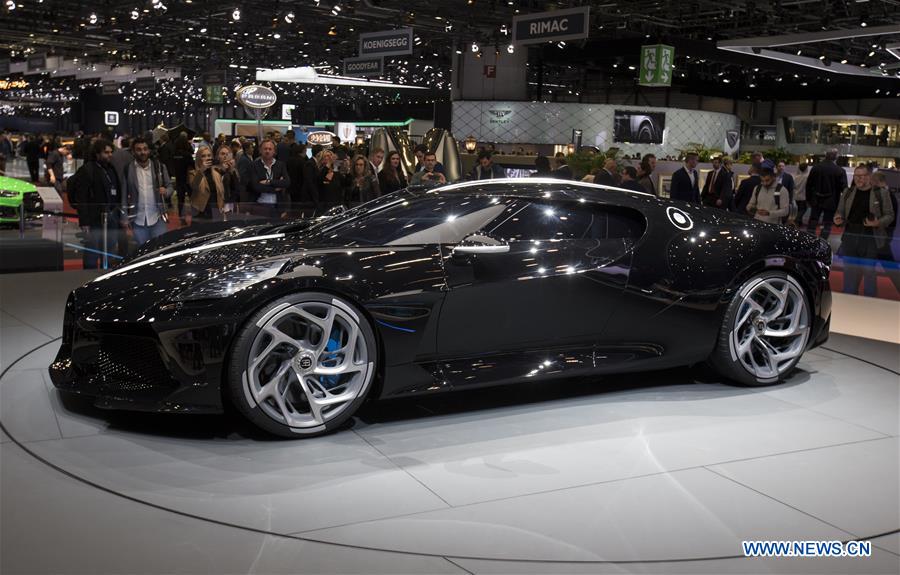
x: 554, y: 26
x: 363, y: 67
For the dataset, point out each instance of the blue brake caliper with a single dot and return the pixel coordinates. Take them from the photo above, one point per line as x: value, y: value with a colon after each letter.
x: 334, y: 344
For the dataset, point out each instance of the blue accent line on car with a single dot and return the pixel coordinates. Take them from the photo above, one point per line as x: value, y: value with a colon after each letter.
x: 397, y: 327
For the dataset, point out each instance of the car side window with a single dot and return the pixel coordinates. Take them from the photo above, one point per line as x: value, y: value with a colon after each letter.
x: 529, y: 220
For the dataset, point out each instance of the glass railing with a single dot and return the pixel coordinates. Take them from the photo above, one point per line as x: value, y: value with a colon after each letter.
x: 46, y: 235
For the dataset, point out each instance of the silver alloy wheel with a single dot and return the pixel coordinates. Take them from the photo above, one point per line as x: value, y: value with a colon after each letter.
x: 771, y: 326
x: 308, y: 363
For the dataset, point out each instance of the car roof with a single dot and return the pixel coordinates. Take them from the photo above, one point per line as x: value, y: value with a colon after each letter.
x: 538, y: 188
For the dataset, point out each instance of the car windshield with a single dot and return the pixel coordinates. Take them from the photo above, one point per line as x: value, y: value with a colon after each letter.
x: 408, y: 218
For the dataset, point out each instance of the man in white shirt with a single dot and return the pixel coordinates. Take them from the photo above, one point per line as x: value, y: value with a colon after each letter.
x: 147, y: 188
x: 770, y: 201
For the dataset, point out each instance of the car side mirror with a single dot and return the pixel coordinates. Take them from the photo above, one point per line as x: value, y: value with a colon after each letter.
x: 480, y: 243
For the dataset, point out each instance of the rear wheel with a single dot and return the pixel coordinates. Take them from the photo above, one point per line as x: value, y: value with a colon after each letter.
x: 765, y: 330
x: 303, y: 365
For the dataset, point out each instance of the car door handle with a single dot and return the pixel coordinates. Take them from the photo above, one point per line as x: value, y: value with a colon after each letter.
x: 502, y: 249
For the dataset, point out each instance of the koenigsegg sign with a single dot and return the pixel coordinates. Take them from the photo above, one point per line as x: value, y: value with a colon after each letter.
x: 257, y: 97
x: 552, y: 26
x: 362, y: 67
x: 389, y: 43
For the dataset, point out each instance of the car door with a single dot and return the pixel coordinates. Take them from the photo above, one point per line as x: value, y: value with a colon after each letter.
x: 544, y: 300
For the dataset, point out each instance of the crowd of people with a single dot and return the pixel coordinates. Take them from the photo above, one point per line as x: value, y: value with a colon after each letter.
x: 138, y: 184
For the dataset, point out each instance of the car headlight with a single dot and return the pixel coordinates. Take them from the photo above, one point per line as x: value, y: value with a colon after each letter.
x: 234, y: 281
x: 8, y: 194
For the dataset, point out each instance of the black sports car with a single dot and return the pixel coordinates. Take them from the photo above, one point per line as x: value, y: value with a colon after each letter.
x: 428, y: 290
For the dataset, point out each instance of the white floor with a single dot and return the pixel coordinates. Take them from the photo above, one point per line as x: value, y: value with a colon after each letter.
x: 658, y: 473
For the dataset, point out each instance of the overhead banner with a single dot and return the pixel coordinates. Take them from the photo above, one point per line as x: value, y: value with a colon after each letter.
x: 109, y: 88
x: 570, y: 24
x: 38, y: 62
x: 146, y: 84
x: 363, y: 67
x: 657, y: 62
x: 214, y: 79
x: 388, y: 43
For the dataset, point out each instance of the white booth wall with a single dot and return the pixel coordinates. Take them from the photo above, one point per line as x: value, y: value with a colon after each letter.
x: 553, y: 122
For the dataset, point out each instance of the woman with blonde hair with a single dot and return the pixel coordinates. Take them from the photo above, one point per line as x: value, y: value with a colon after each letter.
x: 330, y: 180
x: 213, y: 186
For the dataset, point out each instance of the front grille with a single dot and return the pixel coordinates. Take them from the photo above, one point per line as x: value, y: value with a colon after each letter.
x: 129, y: 365
x: 237, y: 253
x: 8, y: 212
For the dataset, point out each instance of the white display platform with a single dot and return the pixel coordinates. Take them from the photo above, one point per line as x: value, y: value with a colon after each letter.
x: 663, y: 472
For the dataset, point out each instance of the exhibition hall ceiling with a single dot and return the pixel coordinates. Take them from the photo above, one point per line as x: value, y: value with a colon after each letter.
x: 197, y: 35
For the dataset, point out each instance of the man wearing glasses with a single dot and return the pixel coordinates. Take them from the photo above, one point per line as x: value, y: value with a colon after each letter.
x: 866, y: 212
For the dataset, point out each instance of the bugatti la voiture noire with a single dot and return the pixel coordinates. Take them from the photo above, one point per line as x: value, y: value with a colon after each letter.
x: 428, y: 290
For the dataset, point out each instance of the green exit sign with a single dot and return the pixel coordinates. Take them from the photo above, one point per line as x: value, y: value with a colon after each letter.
x: 657, y: 63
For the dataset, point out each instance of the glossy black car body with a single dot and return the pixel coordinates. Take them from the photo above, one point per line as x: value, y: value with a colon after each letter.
x: 643, y: 286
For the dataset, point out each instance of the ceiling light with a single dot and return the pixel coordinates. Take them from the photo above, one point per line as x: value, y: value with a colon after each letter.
x: 92, y: 18
x: 631, y: 67
x: 135, y: 14
x: 475, y: 47
x: 863, y: 24
x: 872, y: 53
x: 277, y: 36
x: 799, y: 52
x: 289, y: 17
x: 561, y: 45
x: 203, y: 30
x: 844, y: 61
x: 511, y: 49
x: 822, y: 57
x: 236, y: 15
x: 10, y: 5
x: 504, y: 30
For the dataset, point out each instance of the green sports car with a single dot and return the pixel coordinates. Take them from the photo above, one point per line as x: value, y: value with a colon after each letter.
x: 15, y: 194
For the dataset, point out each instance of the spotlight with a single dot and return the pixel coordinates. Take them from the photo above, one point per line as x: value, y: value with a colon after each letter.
x: 799, y: 52
x: 236, y: 15
x: 844, y: 61
x: 511, y: 49
x: 504, y: 30
x: 872, y: 53
x: 10, y: 5
x: 92, y: 18
x: 560, y: 45
x: 863, y: 24
x: 135, y: 14
x: 475, y: 47
x: 822, y: 57
x: 289, y: 17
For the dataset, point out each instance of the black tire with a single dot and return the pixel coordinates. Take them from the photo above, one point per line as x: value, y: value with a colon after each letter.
x: 238, y: 384
x: 724, y: 358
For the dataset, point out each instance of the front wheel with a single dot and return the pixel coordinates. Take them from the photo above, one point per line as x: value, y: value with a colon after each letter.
x: 765, y: 330
x: 302, y: 365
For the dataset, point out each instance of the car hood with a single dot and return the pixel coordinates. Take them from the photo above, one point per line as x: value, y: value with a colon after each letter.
x: 160, y: 273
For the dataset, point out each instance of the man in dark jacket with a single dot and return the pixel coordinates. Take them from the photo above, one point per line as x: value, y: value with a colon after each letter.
x: 685, y: 181
x: 486, y: 169
x: 629, y: 180
x: 270, y: 182
x: 97, y: 195
x: 745, y: 191
x: 824, y: 185
x: 244, y: 165
x: 608, y: 175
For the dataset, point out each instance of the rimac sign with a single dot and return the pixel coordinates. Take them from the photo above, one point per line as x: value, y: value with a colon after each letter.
x: 256, y: 97
x: 362, y: 67
x: 553, y: 26
x: 389, y: 43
